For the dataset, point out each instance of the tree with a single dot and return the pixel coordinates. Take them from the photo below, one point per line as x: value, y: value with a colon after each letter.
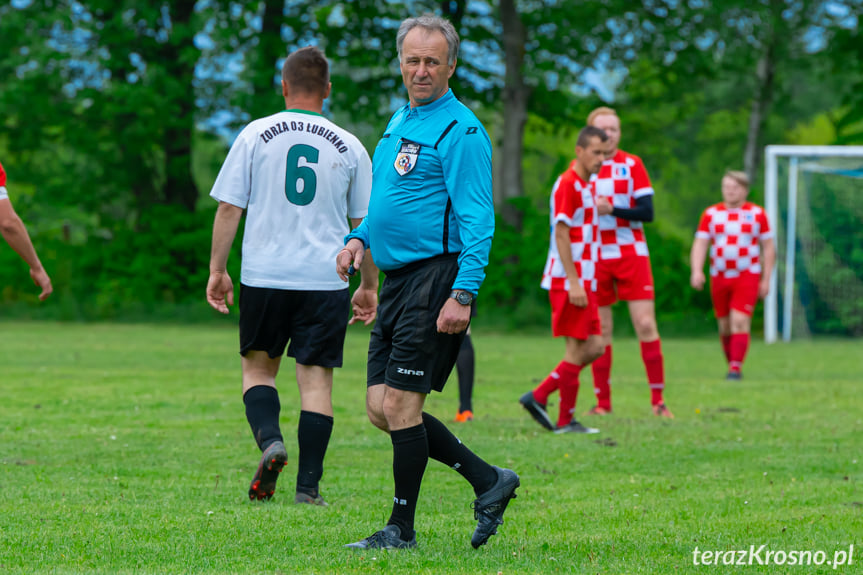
x: 117, y: 80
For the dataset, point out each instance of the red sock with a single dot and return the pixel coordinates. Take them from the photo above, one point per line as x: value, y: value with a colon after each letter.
x: 568, y: 391
x: 549, y: 385
x: 738, y: 345
x: 601, y: 368
x: 651, y: 355
x: 726, y: 346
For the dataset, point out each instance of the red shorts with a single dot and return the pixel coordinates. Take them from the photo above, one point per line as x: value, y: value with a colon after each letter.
x: 571, y: 321
x: 627, y: 279
x: 740, y: 293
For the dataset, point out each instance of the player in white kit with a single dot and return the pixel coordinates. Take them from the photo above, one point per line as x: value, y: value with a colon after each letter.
x: 300, y: 178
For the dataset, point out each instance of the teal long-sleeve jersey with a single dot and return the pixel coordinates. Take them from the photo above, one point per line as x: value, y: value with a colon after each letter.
x: 432, y: 191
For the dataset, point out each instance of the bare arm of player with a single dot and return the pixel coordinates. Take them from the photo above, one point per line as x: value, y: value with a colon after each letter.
x: 577, y: 295
x: 364, y: 302
x: 219, y: 287
x: 696, y: 262
x: 15, y: 234
x: 768, y: 248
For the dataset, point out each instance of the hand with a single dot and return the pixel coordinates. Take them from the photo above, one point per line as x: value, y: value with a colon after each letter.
x: 697, y: 280
x: 351, y: 255
x: 577, y: 295
x: 41, y: 279
x: 364, y: 305
x: 453, y: 317
x: 763, y: 288
x: 219, y: 289
x: 603, y: 206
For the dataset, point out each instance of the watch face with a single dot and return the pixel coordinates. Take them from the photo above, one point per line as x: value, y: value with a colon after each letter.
x: 464, y: 298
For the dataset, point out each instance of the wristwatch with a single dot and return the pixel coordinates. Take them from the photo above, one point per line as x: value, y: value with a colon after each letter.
x: 462, y: 297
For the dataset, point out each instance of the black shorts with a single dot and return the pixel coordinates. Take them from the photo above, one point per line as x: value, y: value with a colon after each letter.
x: 314, y: 322
x: 406, y: 351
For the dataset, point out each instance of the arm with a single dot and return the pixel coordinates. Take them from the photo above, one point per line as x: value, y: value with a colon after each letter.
x: 15, y: 234
x: 577, y: 295
x: 219, y: 286
x: 696, y: 262
x: 467, y: 169
x: 642, y: 212
x: 365, y: 300
x: 466, y: 160
x: 769, y: 250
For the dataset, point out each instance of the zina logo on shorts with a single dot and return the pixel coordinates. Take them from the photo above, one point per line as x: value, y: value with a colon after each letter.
x: 404, y: 371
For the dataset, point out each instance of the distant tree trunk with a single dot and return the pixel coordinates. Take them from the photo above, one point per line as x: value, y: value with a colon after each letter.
x: 763, y: 98
x: 453, y: 10
x: 760, y: 107
x: 265, y: 98
x: 515, y: 95
x: 177, y: 54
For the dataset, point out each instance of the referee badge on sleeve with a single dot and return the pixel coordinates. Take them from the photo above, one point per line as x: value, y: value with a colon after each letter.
x: 406, y: 159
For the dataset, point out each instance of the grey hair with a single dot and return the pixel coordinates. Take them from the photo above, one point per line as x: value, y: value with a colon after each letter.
x: 430, y: 23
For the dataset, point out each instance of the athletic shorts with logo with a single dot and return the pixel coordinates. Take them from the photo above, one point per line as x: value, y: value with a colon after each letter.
x: 314, y: 322
x: 572, y: 321
x: 405, y: 350
x: 628, y: 278
x: 739, y: 293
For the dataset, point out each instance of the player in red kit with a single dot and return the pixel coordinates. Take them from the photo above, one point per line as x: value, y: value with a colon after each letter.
x: 625, y: 202
x: 569, y: 277
x: 738, y: 235
x: 15, y: 233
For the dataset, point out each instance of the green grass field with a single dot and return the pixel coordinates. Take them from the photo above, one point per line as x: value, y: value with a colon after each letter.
x: 124, y: 449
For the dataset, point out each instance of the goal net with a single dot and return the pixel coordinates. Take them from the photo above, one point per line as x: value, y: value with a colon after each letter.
x: 814, y: 199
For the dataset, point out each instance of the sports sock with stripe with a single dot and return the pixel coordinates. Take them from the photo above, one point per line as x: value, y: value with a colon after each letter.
x: 449, y: 450
x: 601, y: 369
x: 568, y: 391
x: 410, y: 457
x: 651, y: 355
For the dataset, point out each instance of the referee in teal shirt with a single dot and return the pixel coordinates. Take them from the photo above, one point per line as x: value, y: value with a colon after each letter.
x: 429, y: 229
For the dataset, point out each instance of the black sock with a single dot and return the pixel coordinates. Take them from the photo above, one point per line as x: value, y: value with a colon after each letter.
x: 410, y: 456
x: 262, y: 413
x: 313, y: 435
x: 446, y: 448
x: 465, y: 366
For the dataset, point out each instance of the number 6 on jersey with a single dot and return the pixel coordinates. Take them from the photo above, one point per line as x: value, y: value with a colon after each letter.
x: 294, y: 172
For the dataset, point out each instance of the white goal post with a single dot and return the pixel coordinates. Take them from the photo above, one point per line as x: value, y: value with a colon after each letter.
x: 788, y: 251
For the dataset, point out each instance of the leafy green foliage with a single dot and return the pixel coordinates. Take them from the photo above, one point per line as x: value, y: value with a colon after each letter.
x: 105, y: 104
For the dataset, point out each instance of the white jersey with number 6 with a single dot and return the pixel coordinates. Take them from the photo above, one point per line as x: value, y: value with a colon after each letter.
x: 299, y: 177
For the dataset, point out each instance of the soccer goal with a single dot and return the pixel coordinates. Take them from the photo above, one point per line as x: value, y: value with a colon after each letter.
x: 814, y: 199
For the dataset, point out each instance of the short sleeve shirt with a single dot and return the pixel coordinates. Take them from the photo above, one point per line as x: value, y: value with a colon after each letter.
x: 299, y: 177
x: 622, y: 179
x: 572, y: 202
x: 735, y: 236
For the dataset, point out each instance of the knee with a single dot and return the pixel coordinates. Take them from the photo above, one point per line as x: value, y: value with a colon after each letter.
x: 376, y: 415
x: 645, y: 327
x: 595, y: 351
x: 378, y: 420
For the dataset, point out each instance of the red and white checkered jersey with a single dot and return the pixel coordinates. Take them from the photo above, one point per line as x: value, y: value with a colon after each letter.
x: 734, y: 236
x: 3, y: 194
x: 622, y: 179
x: 572, y: 202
